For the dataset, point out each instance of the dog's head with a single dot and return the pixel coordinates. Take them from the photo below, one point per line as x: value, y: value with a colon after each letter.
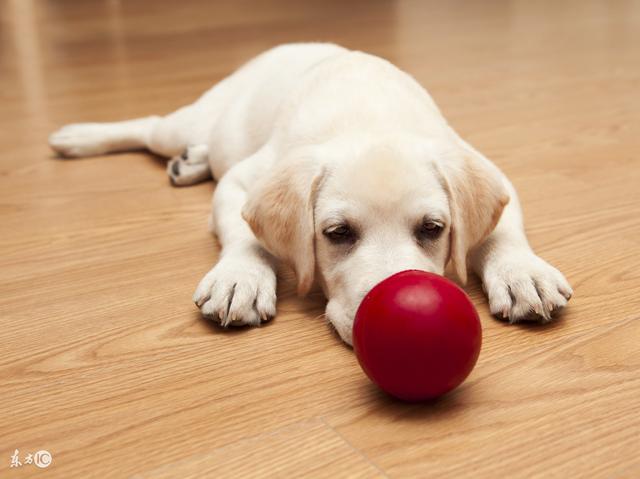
x: 353, y: 214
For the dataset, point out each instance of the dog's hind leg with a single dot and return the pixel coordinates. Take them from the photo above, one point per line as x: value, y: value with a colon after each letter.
x: 191, y: 167
x: 180, y: 135
x: 90, y: 139
x: 166, y: 136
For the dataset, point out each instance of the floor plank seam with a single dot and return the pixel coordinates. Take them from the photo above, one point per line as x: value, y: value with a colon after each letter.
x: 355, y: 449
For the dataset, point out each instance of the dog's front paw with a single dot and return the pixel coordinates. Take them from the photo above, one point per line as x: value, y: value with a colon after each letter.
x: 237, y: 292
x: 522, y: 286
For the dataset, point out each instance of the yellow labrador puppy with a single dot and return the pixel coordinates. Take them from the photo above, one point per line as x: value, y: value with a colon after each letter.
x: 341, y: 165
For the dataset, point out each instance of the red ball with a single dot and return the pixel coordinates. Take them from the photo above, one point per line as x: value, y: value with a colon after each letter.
x: 417, y: 335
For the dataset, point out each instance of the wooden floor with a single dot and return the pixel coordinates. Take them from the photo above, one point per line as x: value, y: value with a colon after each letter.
x: 105, y: 362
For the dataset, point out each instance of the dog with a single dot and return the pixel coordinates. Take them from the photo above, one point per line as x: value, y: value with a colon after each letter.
x: 340, y: 165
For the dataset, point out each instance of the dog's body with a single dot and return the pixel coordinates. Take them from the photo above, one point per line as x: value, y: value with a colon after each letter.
x: 342, y: 166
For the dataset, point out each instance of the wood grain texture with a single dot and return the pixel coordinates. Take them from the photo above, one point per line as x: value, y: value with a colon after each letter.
x: 105, y: 361
x: 307, y: 449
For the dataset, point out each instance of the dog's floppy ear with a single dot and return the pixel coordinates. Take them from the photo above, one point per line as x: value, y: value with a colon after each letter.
x: 279, y: 210
x: 477, y: 197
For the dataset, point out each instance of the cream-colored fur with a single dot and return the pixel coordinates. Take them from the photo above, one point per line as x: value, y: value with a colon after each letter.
x: 341, y: 165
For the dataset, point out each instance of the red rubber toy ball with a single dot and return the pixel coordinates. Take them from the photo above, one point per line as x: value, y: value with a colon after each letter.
x: 417, y: 335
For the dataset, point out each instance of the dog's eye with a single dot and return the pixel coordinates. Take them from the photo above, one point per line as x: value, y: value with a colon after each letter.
x: 340, y: 234
x: 429, y: 230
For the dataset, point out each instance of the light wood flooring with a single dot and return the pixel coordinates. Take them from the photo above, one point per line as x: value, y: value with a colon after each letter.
x: 106, y: 363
